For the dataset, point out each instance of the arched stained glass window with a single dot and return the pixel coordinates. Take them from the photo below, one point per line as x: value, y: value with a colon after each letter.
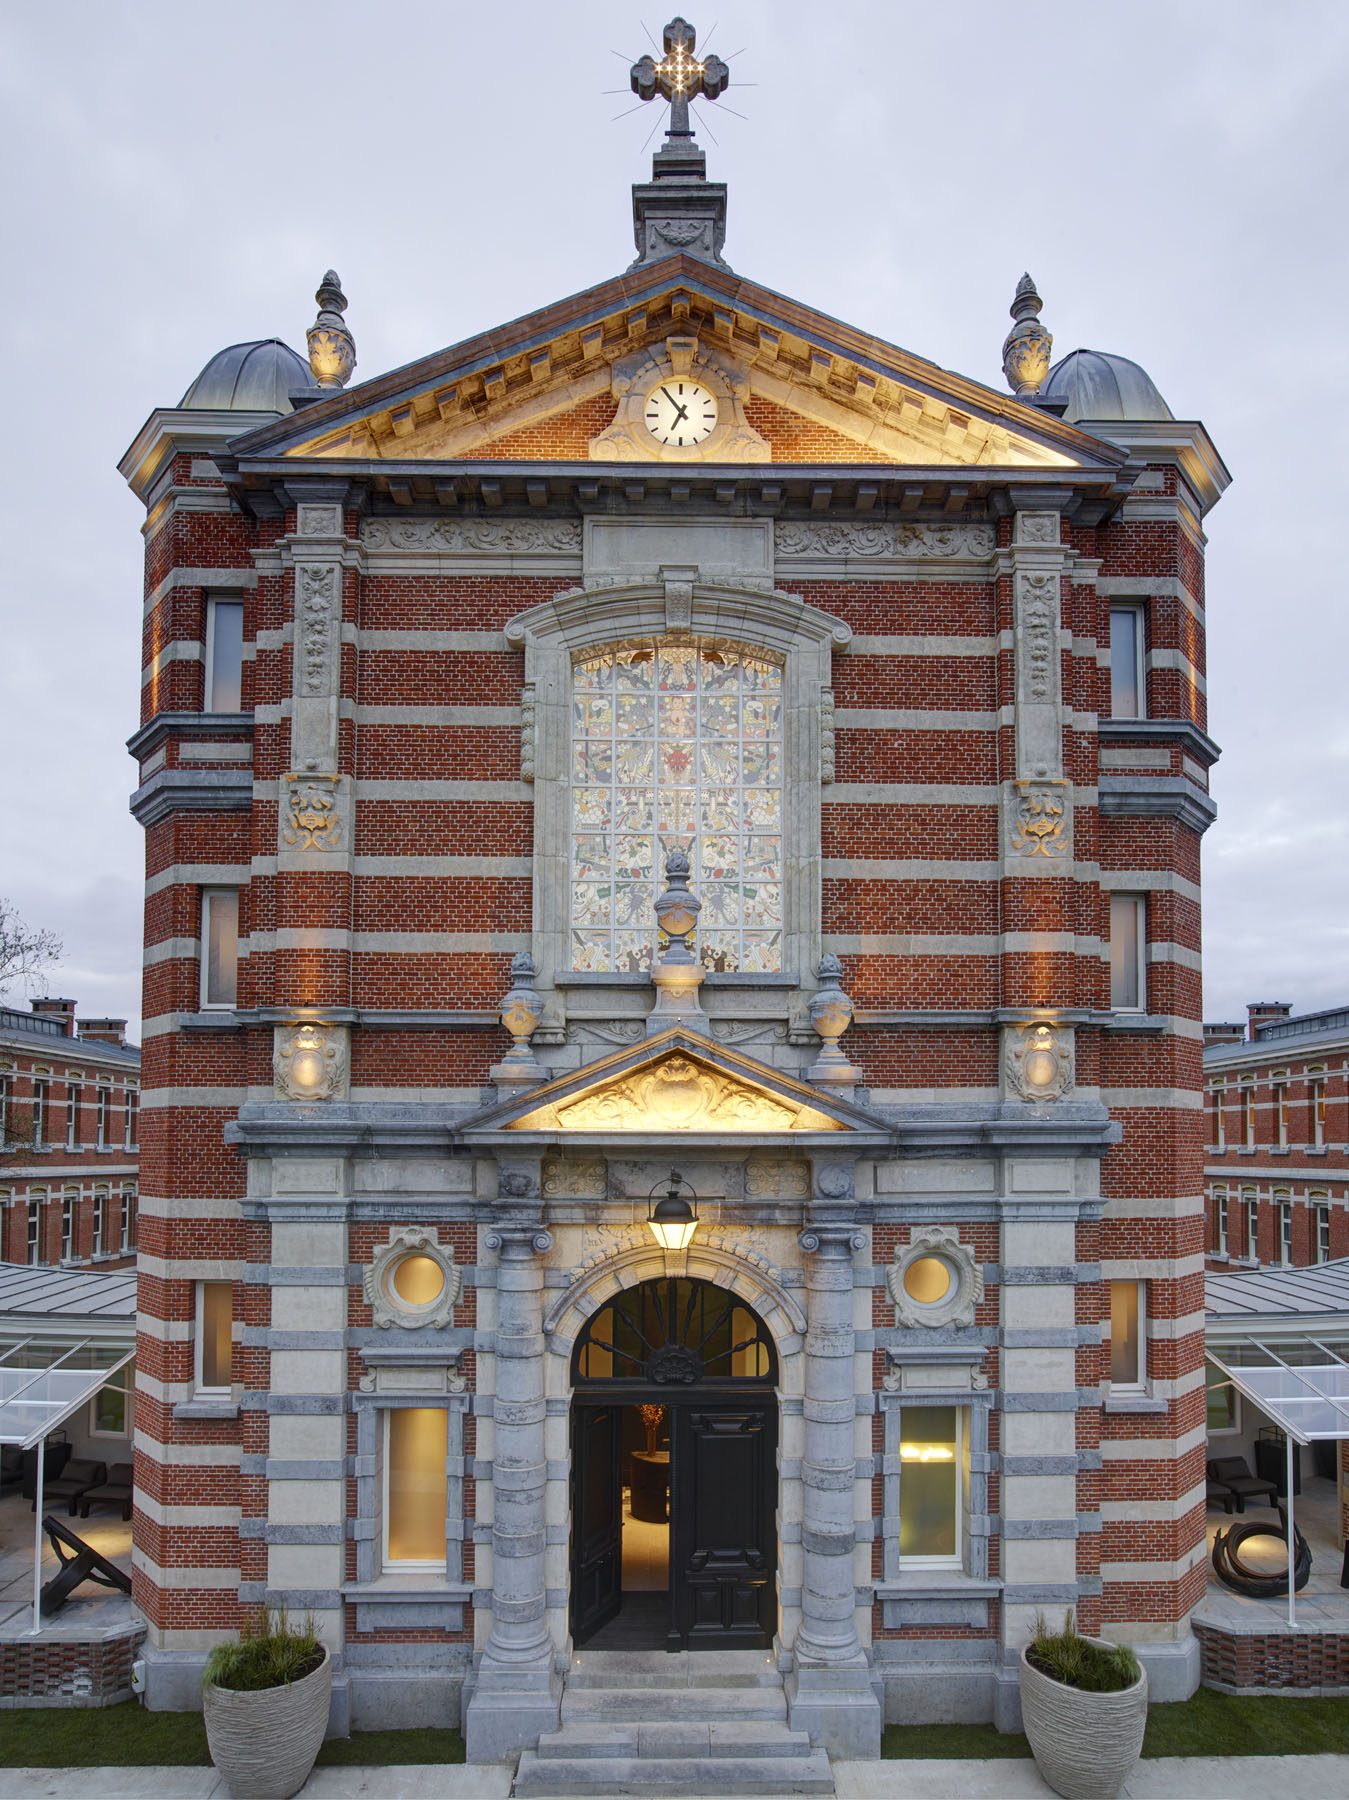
x: 675, y: 1333
x: 676, y: 746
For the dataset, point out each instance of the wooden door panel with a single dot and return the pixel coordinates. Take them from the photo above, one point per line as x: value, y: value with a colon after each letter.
x: 723, y: 1549
x: 596, y: 1519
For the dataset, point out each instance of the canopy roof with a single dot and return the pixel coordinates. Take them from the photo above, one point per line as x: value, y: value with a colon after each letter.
x: 63, y: 1336
x: 1281, y: 1337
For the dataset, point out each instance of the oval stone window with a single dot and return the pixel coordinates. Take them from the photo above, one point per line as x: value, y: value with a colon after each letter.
x: 418, y: 1280
x: 929, y: 1280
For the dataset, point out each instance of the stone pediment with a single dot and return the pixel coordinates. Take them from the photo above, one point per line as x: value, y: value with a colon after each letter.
x: 676, y: 1083
x: 795, y: 386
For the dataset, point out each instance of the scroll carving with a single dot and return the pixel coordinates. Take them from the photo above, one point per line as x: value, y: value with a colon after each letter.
x: 316, y: 594
x: 826, y: 735
x: 466, y: 537
x: 846, y: 538
x: 528, y: 726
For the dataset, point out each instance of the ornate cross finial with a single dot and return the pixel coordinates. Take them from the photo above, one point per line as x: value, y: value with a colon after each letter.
x: 679, y: 76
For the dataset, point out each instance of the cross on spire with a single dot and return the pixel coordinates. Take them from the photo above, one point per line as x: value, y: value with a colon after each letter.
x: 679, y: 76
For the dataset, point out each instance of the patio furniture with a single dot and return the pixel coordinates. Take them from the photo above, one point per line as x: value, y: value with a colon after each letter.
x: 1232, y: 1472
x: 85, y: 1564
x: 53, y: 1463
x: 1266, y: 1583
x: 77, y: 1476
x: 1217, y: 1493
x: 115, y: 1491
x: 11, y: 1467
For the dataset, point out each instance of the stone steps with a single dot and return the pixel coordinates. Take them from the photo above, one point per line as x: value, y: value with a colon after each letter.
x: 686, y: 1724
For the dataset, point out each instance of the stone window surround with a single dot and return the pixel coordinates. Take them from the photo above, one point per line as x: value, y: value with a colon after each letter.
x: 582, y: 621
x: 897, y: 1575
x: 384, y: 1597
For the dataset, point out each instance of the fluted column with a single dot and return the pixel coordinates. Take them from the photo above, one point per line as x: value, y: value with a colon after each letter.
x: 516, y: 1693
x: 829, y: 1692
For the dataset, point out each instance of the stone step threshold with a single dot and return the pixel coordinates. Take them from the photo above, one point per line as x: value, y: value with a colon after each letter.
x: 697, y: 1738
x: 766, y: 1775
x: 651, y: 1706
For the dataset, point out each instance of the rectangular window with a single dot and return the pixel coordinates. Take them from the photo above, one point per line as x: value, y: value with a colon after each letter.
x: 1128, y: 1335
x: 1223, y: 1401
x: 1281, y: 1116
x: 128, y: 1222
x: 415, y: 1490
x: 219, y: 946
x: 1126, y: 663
x: 102, y: 1201
x: 1322, y: 1233
x: 1219, y: 1122
x: 1127, y: 945
x: 224, y: 656
x: 931, y: 1453
x: 1317, y: 1104
x: 34, y: 1231
x: 4, y: 1109
x: 102, y: 1108
x: 110, y: 1408
x: 1250, y: 1205
x: 677, y: 747
x: 1248, y: 1117
x: 1285, y: 1216
x: 39, y: 1115
x: 132, y: 1105
x: 1220, y: 1220
x: 68, y: 1198
x: 72, y: 1116
x: 214, y: 1372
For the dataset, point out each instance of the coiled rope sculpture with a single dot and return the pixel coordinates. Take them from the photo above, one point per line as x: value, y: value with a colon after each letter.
x: 1260, y: 1584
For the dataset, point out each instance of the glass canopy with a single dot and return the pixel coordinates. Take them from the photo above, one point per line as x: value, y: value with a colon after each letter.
x: 1302, y: 1384
x: 44, y: 1380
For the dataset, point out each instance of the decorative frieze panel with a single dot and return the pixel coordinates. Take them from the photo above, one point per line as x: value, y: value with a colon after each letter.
x: 564, y: 1179
x: 317, y: 521
x: 1038, y: 728
x: 317, y: 596
x: 473, y: 537
x: 1037, y: 528
x: 910, y: 542
x: 826, y: 735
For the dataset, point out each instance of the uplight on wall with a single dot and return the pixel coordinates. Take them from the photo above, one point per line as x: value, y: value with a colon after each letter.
x: 672, y: 1220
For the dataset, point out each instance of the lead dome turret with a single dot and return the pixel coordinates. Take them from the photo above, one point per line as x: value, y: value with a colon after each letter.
x: 1098, y: 385
x: 252, y: 377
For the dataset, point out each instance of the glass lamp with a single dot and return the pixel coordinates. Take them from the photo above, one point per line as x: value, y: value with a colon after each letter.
x: 672, y: 1220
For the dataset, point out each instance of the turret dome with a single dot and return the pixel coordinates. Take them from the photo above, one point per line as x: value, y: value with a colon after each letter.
x: 1097, y: 385
x: 255, y: 377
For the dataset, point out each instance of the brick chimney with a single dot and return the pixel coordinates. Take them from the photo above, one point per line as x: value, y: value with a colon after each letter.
x: 1228, y: 1031
x: 51, y: 1008
x: 1260, y: 1013
x: 103, y: 1031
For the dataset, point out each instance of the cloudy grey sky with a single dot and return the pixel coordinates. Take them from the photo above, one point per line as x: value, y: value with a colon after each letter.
x: 1171, y: 171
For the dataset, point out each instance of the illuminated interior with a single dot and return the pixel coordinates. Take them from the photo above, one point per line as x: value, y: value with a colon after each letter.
x: 415, y: 1471
x: 217, y: 1306
x: 418, y: 1280
x: 929, y: 1483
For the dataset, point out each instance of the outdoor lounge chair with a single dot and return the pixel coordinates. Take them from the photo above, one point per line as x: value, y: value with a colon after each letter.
x: 11, y: 1467
x: 74, y: 1479
x: 115, y: 1491
x: 1231, y: 1472
x: 1217, y: 1493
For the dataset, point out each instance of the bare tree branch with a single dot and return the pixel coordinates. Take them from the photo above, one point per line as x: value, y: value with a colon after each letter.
x: 25, y: 954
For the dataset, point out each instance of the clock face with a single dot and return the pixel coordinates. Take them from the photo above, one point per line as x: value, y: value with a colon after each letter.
x: 681, y: 414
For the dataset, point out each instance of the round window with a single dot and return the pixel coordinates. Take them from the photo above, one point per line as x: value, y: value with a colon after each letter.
x: 417, y: 1280
x: 929, y: 1280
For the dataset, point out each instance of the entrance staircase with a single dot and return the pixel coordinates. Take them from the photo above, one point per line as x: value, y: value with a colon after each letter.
x: 648, y: 1722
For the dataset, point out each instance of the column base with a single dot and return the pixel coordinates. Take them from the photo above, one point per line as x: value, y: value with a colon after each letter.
x: 509, y: 1713
x: 839, y: 1706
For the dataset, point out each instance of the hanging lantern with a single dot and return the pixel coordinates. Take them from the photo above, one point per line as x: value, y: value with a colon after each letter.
x: 672, y: 1220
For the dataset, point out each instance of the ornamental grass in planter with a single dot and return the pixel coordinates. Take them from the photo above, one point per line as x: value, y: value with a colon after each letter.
x: 1084, y: 1705
x: 266, y: 1704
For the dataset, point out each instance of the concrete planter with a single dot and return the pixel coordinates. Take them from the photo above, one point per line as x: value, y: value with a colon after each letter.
x: 1085, y: 1744
x: 264, y: 1743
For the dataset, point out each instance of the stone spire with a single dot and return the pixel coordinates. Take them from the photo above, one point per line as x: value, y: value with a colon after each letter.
x: 1025, y: 354
x: 679, y: 210
x: 332, y: 349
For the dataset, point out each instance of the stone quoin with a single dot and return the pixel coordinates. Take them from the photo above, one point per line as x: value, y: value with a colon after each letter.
x: 676, y: 599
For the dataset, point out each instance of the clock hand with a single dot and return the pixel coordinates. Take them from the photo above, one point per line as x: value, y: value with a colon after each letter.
x: 682, y: 411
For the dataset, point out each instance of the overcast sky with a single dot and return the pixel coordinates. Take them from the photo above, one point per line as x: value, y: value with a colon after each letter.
x: 1173, y: 174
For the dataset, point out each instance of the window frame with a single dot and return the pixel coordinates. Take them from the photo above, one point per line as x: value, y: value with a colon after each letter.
x: 1319, y: 1207
x: 1136, y: 905
x: 201, y: 1390
x: 581, y: 622
x: 34, y: 1233
x: 41, y: 1096
x: 1137, y: 609
x: 74, y: 1090
x: 1250, y: 1207
x: 1281, y: 1114
x: 955, y: 1561
x: 1316, y: 1102
x: 409, y: 1566
x: 131, y: 1118
x: 127, y: 1217
x: 1219, y: 1120
x: 124, y: 1384
x: 1219, y: 1194
x: 70, y: 1201
x: 213, y: 604
x: 1235, y: 1428
x: 210, y: 896
x: 1282, y: 1201
x: 1248, y: 1126
x: 1138, y: 1385
x: 102, y: 1113
x: 102, y: 1209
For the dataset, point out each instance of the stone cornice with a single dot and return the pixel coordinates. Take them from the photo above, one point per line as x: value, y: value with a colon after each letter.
x: 206, y: 725
x: 1156, y: 796
x: 170, y: 791
x: 1140, y: 731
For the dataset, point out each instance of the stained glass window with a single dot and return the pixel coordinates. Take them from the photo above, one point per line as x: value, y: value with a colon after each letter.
x: 676, y: 746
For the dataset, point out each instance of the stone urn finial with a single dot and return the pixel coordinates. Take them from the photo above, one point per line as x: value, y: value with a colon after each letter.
x: 678, y: 974
x: 830, y: 1011
x: 1025, y: 353
x: 521, y: 1010
x: 332, y: 349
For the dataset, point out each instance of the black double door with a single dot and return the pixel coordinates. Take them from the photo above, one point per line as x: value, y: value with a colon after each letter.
x: 723, y: 1539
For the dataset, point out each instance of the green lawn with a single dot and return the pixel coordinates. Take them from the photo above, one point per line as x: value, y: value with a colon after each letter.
x: 127, y: 1736
x: 1208, y: 1724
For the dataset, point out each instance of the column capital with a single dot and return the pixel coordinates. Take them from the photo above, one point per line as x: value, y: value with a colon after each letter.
x: 519, y: 1241
x: 832, y: 1238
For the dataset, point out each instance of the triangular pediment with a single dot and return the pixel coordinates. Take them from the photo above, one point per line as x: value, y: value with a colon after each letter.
x: 809, y: 389
x: 673, y: 1084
